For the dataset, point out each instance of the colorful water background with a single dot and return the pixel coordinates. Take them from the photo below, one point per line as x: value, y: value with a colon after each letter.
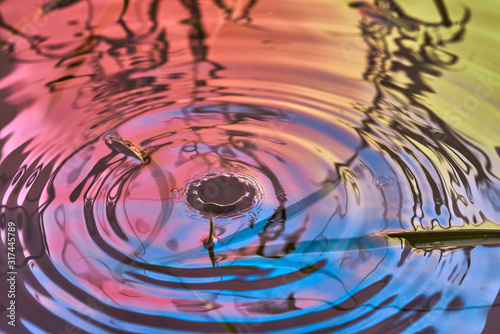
x: 348, y: 126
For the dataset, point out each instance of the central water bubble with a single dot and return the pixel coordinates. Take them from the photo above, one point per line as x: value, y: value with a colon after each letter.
x: 221, y: 194
x: 383, y: 181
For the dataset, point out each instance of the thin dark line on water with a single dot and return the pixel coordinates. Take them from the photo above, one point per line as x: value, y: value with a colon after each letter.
x: 127, y: 216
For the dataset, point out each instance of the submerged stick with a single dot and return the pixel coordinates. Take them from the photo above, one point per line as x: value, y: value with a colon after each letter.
x: 211, y: 236
x: 440, y: 240
x: 448, y: 239
x: 209, y: 242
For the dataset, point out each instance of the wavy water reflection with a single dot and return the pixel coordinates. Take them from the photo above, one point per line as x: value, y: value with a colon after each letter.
x: 249, y: 166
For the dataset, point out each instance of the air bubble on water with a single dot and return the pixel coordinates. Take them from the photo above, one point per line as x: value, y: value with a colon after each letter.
x: 142, y: 226
x: 383, y: 181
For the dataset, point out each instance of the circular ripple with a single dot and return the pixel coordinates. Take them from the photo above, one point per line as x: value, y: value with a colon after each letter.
x: 300, y: 215
x: 148, y: 223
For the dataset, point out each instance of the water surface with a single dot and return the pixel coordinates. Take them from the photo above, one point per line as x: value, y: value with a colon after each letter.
x: 250, y: 166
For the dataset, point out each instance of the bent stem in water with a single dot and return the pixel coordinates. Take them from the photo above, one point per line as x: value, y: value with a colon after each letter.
x: 211, y: 236
x: 209, y: 242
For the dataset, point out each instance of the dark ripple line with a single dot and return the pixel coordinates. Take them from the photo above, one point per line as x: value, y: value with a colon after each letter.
x: 408, y: 314
x: 356, y: 300
x: 111, y: 202
x: 238, y: 284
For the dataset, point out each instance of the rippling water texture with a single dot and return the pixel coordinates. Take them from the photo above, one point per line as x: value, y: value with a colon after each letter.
x: 249, y: 166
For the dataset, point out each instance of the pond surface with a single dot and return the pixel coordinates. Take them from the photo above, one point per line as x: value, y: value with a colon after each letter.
x: 249, y: 166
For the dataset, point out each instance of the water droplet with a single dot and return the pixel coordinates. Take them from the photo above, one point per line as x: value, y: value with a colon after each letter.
x: 173, y: 244
x: 383, y: 181
x: 142, y: 226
